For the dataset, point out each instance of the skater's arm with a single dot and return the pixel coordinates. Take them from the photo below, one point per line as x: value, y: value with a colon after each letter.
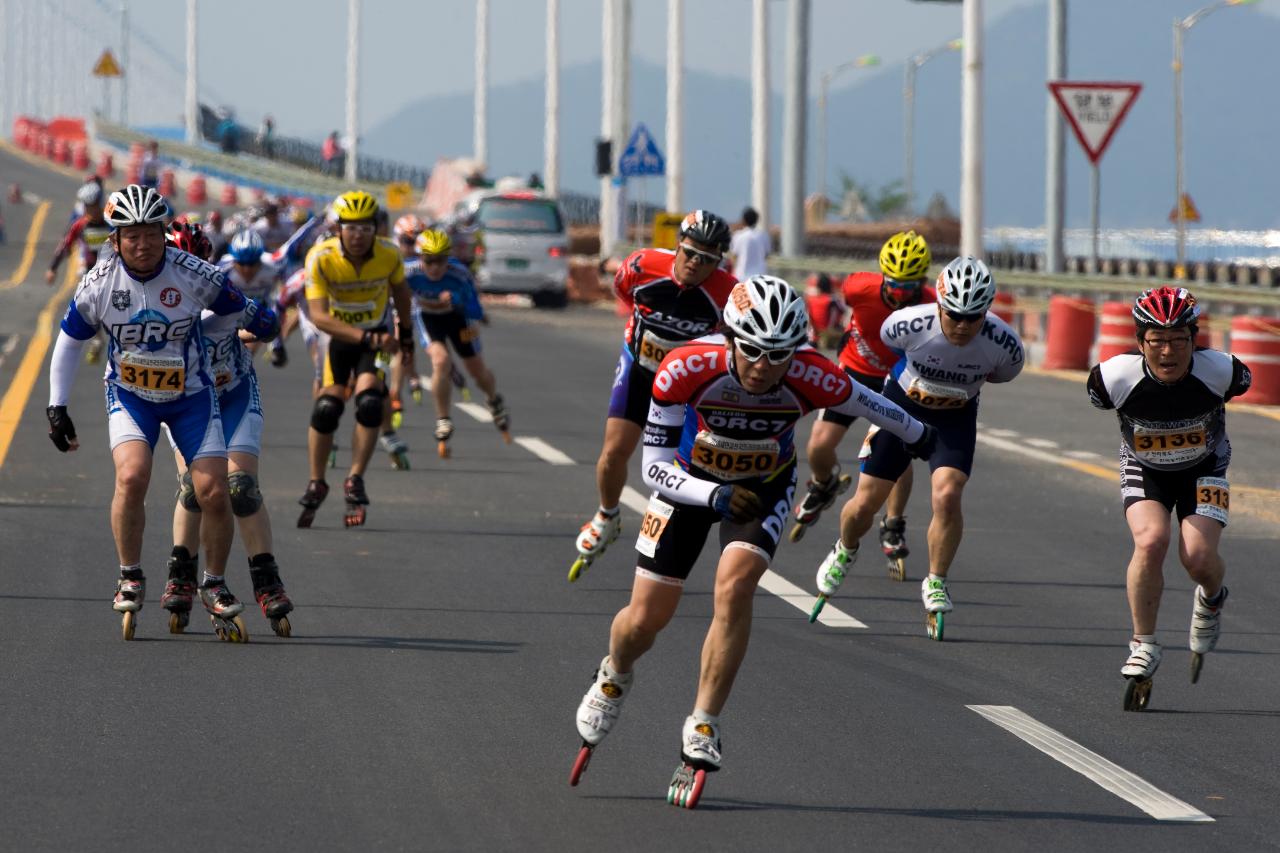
x: 862, y: 402
x: 661, y: 438
x: 62, y: 367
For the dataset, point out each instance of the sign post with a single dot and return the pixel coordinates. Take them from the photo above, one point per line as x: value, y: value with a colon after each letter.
x: 640, y: 159
x: 106, y: 67
x: 1094, y: 111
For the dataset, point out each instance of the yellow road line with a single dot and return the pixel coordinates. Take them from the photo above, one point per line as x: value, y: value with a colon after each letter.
x: 29, y: 250
x: 15, y: 399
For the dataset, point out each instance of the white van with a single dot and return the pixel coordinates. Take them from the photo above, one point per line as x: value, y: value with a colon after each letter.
x: 523, y: 244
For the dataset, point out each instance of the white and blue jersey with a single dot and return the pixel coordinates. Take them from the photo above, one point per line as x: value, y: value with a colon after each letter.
x: 457, y: 281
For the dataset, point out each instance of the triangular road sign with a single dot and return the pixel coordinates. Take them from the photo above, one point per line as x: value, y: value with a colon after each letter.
x: 642, y: 156
x: 1094, y: 110
x: 107, y: 66
x: 1190, y: 213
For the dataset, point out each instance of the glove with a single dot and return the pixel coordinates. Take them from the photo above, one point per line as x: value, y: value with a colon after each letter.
x: 736, y: 503
x: 279, y: 357
x: 923, y: 447
x: 61, y: 430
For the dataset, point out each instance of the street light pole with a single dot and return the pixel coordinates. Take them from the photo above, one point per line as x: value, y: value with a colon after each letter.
x: 909, y: 115
x: 868, y: 60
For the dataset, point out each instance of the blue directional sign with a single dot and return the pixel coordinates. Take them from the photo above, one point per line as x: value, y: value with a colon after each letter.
x: 642, y: 157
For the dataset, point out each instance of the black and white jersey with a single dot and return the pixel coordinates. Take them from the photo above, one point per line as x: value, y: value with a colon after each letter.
x: 1176, y: 425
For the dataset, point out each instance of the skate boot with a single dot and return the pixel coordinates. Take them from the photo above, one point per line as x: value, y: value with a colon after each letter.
x: 224, y: 611
x: 816, y: 499
x: 397, y: 415
x: 357, y: 500
x: 180, y: 589
x: 317, y: 491
x: 279, y: 356
x: 396, y: 448
x: 1141, y: 665
x: 594, y: 537
x: 415, y: 389
x: 269, y: 592
x: 893, y: 541
x: 831, y: 574
x: 1206, y: 625
x: 699, y: 755
x: 937, y: 603
x: 444, y: 429
x: 131, y: 593
x: 501, y: 417
x: 460, y: 382
x: 598, y: 712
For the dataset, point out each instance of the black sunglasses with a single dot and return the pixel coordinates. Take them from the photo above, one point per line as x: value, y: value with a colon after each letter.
x: 966, y: 318
x: 699, y: 255
x: 753, y: 353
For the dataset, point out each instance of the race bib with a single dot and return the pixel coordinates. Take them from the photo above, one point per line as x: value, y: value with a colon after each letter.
x: 1213, y: 498
x: 1169, y: 446
x: 651, y: 526
x: 931, y: 395
x: 734, y: 459
x: 362, y: 315
x: 155, y: 378
x: 221, y: 379
x: 653, y: 350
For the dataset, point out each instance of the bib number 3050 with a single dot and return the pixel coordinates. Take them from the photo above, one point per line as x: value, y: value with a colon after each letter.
x: 1213, y: 498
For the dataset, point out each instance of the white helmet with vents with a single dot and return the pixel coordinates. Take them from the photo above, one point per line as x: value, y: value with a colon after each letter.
x: 766, y: 311
x: 966, y: 286
x: 136, y: 205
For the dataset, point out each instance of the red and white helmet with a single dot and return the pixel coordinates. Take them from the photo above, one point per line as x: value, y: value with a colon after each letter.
x: 408, y: 226
x: 1165, y: 307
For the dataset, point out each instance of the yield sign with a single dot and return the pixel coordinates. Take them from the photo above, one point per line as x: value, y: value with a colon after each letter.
x: 107, y: 66
x: 1095, y: 111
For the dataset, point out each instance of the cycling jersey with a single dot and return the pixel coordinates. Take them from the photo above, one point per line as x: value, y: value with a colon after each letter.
x: 1170, y: 426
x: 358, y: 297
x: 862, y: 350
x: 292, y: 254
x: 90, y: 236
x: 457, y: 281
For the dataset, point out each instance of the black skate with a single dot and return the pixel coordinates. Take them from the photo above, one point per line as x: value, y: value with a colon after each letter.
x: 357, y: 500
x: 317, y: 491
x: 816, y: 499
x: 269, y: 592
x: 893, y: 541
x: 501, y: 417
x: 180, y: 590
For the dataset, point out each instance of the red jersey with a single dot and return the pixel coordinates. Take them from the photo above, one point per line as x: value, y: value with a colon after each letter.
x: 665, y: 315
x: 863, y: 350
x: 90, y: 236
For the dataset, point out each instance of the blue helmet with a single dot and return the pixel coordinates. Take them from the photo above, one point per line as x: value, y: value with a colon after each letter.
x: 247, y: 247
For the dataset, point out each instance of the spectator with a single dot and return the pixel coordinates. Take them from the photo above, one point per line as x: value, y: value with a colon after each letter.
x: 826, y: 312
x: 228, y: 133
x: 266, y: 136
x: 331, y: 152
x: 149, y: 168
x: 750, y: 246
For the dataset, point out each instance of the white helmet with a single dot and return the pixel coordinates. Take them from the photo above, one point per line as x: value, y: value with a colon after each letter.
x: 90, y: 193
x: 136, y: 205
x: 766, y: 311
x: 966, y: 287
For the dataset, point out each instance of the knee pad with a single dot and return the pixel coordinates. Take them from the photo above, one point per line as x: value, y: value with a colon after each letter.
x: 325, y: 415
x: 246, y: 498
x: 187, y: 493
x: 369, y: 408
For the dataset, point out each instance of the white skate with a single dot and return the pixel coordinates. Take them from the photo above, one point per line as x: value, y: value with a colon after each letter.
x: 602, y: 704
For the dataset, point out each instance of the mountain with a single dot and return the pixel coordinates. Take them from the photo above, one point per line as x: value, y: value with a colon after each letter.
x: 1229, y: 122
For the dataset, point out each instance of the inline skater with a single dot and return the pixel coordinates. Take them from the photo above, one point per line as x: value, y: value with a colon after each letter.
x: 273, y: 230
x: 88, y: 232
x: 150, y: 298
x: 352, y: 280
x: 447, y: 302
x: 251, y: 269
x: 673, y: 297
x: 720, y: 449
x: 871, y: 298
x: 291, y: 258
x: 405, y: 233
x: 946, y: 352
x: 231, y: 364
x: 1170, y: 399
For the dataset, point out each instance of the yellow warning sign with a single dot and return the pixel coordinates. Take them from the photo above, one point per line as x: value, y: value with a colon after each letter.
x: 399, y: 195
x: 107, y: 66
x: 666, y: 229
x: 1189, y: 211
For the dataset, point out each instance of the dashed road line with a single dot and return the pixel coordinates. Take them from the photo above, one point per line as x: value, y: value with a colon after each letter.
x: 476, y: 411
x: 543, y: 451
x: 1083, y: 454
x: 1102, y: 772
x: 1043, y: 443
x: 1002, y: 433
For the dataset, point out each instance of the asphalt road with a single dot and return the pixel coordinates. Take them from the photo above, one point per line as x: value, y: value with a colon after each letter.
x: 426, y: 698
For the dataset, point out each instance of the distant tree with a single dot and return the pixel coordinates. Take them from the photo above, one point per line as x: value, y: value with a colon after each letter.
x: 861, y: 203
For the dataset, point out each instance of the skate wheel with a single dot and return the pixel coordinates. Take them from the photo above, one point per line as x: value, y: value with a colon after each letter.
x: 466, y: 395
x: 307, y: 516
x: 686, y: 787
x: 400, y: 461
x: 397, y: 420
x: 797, y: 532
x: 443, y: 449
x: 506, y: 437
x: 817, y: 608
x: 128, y: 623
x: 935, y: 623
x: 177, y: 622
x: 236, y: 631
x: 897, y: 569
x: 580, y: 765
x: 281, y: 626
x: 1137, y: 693
x: 579, y: 566
x: 219, y: 627
x: 1197, y: 661
x: 355, y: 515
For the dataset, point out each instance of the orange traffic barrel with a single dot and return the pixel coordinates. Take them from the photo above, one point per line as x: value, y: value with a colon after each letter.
x: 21, y: 128
x: 166, y: 184
x: 61, y: 151
x: 1204, y: 338
x: 80, y: 155
x: 1003, y: 307
x: 1070, y: 337
x: 197, y: 194
x: 1256, y: 342
x: 1116, y: 333
x: 228, y: 198
x: 106, y: 165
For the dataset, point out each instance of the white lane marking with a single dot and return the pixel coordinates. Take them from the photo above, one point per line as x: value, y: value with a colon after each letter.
x: 1083, y: 454
x: 1044, y: 443
x: 1110, y: 776
x: 1014, y: 447
x: 772, y: 582
x: 1001, y: 433
x: 476, y: 411
x: 10, y: 344
x: 542, y: 450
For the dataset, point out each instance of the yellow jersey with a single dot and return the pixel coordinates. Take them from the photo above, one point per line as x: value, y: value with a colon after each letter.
x: 361, y: 296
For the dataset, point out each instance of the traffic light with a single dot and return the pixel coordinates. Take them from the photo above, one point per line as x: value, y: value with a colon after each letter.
x: 604, y: 158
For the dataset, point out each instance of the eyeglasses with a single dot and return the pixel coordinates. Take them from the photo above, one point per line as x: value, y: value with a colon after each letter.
x: 365, y: 228
x: 753, y: 353
x: 957, y: 317
x: 1175, y: 344
x: 699, y: 255
x: 429, y: 260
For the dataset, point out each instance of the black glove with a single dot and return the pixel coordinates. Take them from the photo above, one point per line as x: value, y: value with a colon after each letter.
x: 61, y: 430
x: 736, y: 503
x: 279, y: 357
x: 923, y: 447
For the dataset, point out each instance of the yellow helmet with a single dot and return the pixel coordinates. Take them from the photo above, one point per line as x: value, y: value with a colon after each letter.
x: 355, y: 206
x: 434, y: 243
x: 905, y: 256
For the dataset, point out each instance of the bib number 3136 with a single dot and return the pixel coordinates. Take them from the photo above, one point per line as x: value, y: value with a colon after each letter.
x: 1213, y: 498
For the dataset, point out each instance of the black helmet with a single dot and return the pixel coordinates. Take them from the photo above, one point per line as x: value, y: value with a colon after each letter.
x: 706, y: 228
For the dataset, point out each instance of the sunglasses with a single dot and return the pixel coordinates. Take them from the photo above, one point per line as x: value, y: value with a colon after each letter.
x: 429, y: 260
x: 966, y: 318
x: 753, y: 353
x: 699, y: 255
x: 364, y: 228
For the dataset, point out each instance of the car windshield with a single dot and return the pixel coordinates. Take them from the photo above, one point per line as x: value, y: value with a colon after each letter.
x: 525, y: 216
